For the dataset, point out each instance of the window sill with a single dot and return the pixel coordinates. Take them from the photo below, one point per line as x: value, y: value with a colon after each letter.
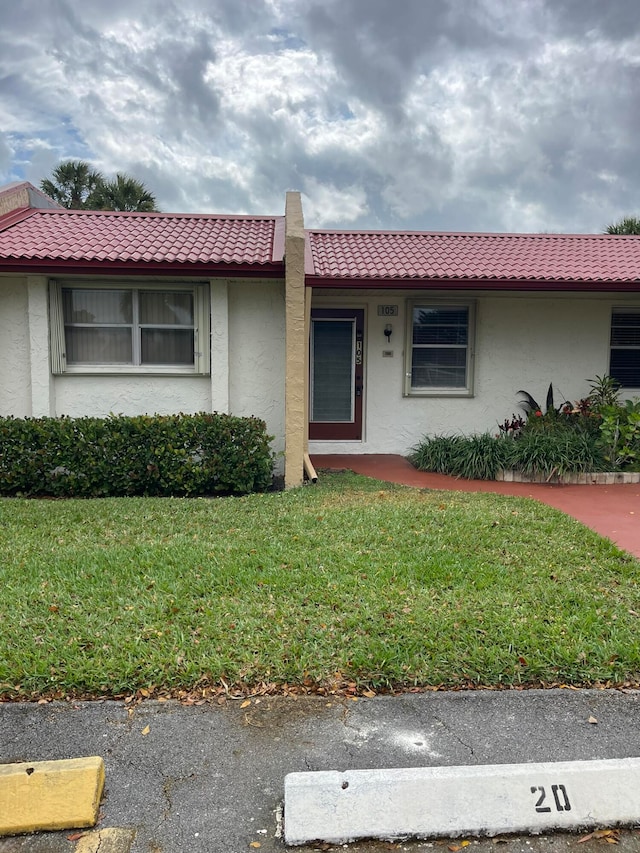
x: 129, y: 370
x: 439, y: 392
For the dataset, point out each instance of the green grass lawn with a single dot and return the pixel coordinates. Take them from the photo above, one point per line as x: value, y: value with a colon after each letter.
x: 349, y: 579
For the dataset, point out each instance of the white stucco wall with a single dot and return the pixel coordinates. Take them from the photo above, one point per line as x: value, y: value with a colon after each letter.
x: 15, y: 381
x: 522, y: 342
x: 257, y: 354
x: 247, y: 362
x: 100, y: 396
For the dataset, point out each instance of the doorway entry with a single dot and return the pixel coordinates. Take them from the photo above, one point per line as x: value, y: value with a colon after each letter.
x: 336, y: 366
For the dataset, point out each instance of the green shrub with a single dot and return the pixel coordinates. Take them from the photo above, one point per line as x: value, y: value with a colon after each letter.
x: 534, y: 452
x: 480, y: 457
x: 477, y: 457
x: 145, y: 455
x: 620, y: 434
x: 437, y: 453
x: 559, y: 451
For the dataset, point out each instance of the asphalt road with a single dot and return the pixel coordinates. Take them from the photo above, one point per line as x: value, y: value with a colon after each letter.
x: 210, y: 778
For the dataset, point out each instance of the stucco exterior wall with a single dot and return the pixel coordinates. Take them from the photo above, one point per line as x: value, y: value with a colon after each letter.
x: 247, y: 366
x: 15, y: 381
x: 257, y: 354
x: 247, y: 362
x: 521, y: 342
x: 100, y: 396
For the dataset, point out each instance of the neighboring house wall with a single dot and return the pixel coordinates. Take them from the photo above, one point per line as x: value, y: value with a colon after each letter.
x: 521, y: 342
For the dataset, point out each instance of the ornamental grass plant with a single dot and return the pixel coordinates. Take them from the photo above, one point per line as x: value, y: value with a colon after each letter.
x: 597, y: 433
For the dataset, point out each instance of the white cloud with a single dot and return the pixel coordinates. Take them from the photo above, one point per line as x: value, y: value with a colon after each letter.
x: 324, y: 203
x: 491, y: 117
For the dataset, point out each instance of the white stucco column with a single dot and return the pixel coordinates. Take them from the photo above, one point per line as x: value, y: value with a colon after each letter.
x: 219, y: 346
x: 295, y: 377
x: 41, y: 380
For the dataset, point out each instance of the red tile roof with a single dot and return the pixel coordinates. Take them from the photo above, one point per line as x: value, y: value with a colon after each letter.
x: 188, y: 242
x: 374, y: 256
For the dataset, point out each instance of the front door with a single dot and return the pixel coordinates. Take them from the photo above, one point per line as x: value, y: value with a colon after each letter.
x: 336, y: 374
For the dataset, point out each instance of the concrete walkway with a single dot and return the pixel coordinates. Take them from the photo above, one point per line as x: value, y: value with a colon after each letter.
x: 612, y: 511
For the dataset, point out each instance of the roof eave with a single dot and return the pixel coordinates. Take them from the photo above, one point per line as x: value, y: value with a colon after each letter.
x: 81, y: 267
x: 530, y: 285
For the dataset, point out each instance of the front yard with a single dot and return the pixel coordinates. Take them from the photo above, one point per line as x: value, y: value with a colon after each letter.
x: 348, y: 581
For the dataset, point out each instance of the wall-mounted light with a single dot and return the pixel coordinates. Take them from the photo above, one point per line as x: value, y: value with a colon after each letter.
x: 388, y: 329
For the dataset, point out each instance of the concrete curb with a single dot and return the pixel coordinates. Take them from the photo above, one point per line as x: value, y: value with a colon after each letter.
x: 50, y: 794
x: 431, y: 802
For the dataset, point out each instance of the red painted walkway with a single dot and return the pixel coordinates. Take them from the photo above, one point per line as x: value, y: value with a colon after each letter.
x: 612, y: 511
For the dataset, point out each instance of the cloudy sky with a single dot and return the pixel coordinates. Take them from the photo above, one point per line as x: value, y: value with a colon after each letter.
x: 465, y: 115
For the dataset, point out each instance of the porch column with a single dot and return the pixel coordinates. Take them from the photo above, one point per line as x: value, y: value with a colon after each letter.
x: 295, y: 425
x: 41, y: 380
x: 219, y: 346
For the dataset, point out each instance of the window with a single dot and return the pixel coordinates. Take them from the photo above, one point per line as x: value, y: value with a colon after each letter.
x: 439, y: 353
x: 154, y: 328
x: 624, y: 364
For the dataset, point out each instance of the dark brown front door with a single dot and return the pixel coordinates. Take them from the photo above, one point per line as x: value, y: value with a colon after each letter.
x: 336, y: 374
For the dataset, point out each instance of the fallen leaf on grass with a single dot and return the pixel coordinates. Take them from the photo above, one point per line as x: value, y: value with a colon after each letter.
x: 368, y: 693
x: 145, y: 730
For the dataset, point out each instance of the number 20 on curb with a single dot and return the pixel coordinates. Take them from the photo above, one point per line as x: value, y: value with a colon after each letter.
x: 560, y: 798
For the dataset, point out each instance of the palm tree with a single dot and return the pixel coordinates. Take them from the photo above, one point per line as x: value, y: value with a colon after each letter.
x: 75, y: 185
x: 123, y: 193
x: 627, y: 225
x: 72, y: 184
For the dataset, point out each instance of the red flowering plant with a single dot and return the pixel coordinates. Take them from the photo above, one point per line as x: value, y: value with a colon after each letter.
x: 542, y: 419
x: 581, y: 416
x: 512, y: 426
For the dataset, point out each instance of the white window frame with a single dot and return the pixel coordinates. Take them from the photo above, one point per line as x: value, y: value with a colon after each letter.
x: 626, y: 309
x: 440, y: 391
x: 201, y: 330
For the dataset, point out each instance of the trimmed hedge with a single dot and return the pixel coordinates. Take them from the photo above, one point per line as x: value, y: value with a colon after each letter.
x: 160, y: 455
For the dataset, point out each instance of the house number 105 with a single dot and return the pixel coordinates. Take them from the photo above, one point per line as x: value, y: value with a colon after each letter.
x: 560, y: 798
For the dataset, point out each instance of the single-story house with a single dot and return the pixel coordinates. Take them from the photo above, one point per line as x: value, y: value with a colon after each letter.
x: 342, y: 341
